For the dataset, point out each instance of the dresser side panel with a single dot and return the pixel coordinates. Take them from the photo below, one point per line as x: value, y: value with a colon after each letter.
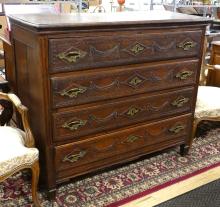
x: 32, y: 88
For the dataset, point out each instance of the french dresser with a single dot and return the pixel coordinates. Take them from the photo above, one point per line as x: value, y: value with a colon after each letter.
x: 104, y: 89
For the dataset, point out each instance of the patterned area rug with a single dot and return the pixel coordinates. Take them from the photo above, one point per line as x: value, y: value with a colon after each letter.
x: 121, y: 185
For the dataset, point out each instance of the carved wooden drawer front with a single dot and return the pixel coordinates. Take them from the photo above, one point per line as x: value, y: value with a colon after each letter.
x: 76, y: 123
x: 113, y: 144
x: 71, y: 54
x: 113, y: 83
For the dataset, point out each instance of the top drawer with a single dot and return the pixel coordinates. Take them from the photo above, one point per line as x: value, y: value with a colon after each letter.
x: 111, y: 49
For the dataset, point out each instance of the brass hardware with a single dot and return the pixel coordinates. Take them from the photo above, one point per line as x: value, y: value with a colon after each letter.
x: 137, y: 48
x: 132, y: 111
x: 176, y: 129
x: 187, y: 45
x: 183, y: 75
x: 74, y: 125
x: 74, y: 157
x: 135, y: 81
x: 72, y: 56
x: 73, y: 92
x: 180, y: 101
x: 131, y: 139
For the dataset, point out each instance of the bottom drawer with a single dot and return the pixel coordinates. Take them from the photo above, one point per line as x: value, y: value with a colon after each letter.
x: 96, y: 152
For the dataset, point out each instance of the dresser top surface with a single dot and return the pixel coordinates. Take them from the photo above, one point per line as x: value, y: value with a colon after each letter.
x: 103, y: 19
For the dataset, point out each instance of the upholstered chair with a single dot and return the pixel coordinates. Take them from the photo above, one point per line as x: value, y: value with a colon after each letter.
x: 207, y: 105
x: 208, y: 97
x: 17, y: 150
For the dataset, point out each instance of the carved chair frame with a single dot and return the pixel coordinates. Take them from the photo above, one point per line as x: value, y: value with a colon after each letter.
x: 29, y: 142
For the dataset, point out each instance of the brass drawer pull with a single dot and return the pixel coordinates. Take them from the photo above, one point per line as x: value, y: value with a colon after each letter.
x: 72, y: 56
x: 180, y: 101
x: 131, y: 139
x: 187, y: 45
x: 137, y: 48
x: 135, y: 81
x: 132, y: 111
x: 176, y: 129
x: 73, y: 92
x: 183, y: 75
x: 74, y: 125
x: 74, y: 157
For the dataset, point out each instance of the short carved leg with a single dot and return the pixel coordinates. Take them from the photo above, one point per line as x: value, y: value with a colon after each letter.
x: 35, y: 177
x: 52, y: 194
x: 184, y: 149
x: 195, y: 124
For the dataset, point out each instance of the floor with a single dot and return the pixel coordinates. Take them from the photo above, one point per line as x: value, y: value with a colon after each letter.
x: 177, y: 189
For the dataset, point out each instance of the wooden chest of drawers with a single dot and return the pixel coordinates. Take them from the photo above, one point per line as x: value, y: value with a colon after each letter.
x: 103, y: 89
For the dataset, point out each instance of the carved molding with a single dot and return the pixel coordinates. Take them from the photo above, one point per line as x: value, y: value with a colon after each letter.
x: 107, y: 148
x: 110, y: 117
x: 99, y: 53
x: 167, y: 47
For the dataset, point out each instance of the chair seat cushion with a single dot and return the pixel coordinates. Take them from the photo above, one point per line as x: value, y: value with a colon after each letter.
x: 208, y: 102
x: 13, y: 153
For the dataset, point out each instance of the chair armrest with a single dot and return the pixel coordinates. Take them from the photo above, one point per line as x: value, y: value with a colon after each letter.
x: 28, y: 139
x: 1, y: 54
x: 212, y: 67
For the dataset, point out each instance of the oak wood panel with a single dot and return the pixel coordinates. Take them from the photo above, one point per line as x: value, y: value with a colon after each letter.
x: 90, y: 86
x: 112, y: 49
x: 73, y: 124
x: 114, y: 144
